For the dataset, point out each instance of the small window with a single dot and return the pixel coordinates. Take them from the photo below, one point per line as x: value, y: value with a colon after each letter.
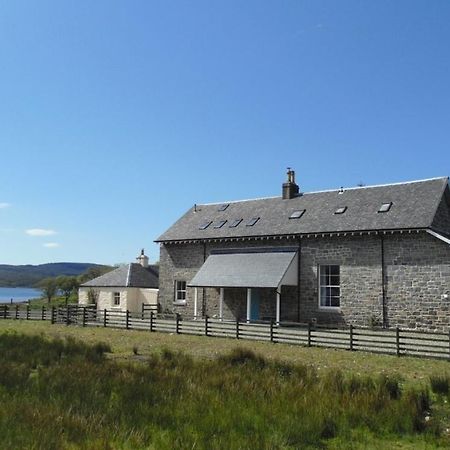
x: 224, y: 207
x: 341, y: 210
x: 235, y: 223
x: 252, y: 221
x: 220, y: 224
x: 297, y: 214
x: 385, y: 207
x: 180, y: 291
x: 329, y: 286
x: 205, y: 225
x: 116, y: 299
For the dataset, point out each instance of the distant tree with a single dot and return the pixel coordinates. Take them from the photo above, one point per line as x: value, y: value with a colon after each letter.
x: 92, y: 295
x: 49, y: 288
x: 94, y: 272
x: 67, y: 284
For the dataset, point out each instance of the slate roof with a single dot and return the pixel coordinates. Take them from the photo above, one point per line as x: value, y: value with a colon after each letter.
x: 131, y: 275
x: 244, y: 269
x: 414, y: 206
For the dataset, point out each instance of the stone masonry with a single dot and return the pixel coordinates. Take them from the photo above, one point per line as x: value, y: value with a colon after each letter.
x: 416, y: 276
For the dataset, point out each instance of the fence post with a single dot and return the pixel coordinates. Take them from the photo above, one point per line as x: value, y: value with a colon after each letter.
x: 84, y: 316
x: 351, y: 337
x: 43, y: 313
x: 397, y: 340
x: 206, y: 325
x: 17, y: 312
x: 4, y: 311
x: 151, y: 321
x: 309, y: 334
x: 449, y: 342
x: 52, y: 320
x: 237, y: 327
x: 127, y: 319
x: 67, y: 316
x: 177, y: 323
x: 104, y: 318
x: 28, y: 312
x: 271, y: 330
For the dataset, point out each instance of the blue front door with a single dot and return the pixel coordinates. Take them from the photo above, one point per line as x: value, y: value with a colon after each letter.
x: 254, y: 309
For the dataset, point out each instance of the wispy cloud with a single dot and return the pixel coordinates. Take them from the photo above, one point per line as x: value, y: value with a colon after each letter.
x: 39, y: 232
x: 4, y: 205
x: 51, y: 244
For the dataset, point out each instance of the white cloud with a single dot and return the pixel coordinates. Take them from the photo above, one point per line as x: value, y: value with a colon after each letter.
x: 39, y: 232
x: 51, y: 244
x: 4, y: 205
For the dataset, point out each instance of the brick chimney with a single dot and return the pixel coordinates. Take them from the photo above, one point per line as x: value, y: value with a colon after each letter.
x: 290, y: 189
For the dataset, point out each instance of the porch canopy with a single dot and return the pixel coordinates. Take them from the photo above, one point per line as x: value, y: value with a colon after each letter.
x: 249, y: 268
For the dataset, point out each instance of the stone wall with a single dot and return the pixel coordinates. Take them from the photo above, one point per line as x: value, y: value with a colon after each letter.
x: 417, y: 278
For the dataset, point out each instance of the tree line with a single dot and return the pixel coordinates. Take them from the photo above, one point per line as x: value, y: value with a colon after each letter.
x: 67, y: 285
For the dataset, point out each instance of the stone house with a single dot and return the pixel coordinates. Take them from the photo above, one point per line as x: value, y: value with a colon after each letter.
x: 126, y: 288
x: 375, y: 255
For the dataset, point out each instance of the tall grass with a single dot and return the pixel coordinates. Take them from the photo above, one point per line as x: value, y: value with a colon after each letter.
x: 65, y: 394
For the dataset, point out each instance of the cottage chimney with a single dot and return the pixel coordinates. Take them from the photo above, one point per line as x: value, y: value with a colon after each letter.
x: 142, y: 259
x: 290, y: 188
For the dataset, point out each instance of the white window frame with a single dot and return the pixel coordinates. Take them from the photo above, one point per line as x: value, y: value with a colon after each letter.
x: 329, y: 284
x: 180, y: 292
x: 117, y: 298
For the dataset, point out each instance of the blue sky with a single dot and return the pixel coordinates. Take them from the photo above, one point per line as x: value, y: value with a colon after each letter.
x: 117, y: 116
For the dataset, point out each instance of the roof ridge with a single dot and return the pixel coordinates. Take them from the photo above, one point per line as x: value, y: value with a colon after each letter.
x: 327, y: 190
x: 127, y: 283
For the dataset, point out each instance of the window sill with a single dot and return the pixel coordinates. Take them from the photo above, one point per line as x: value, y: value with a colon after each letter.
x: 180, y: 303
x: 330, y: 308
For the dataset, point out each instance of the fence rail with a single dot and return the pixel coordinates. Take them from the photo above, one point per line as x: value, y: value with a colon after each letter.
x: 389, y: 341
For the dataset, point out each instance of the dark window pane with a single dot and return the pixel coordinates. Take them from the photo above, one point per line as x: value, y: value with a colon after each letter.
x: 220, y: 224
x: 235, y: 223
x: 205, y: 225
x: 297, y: 214
x: 252, y: 221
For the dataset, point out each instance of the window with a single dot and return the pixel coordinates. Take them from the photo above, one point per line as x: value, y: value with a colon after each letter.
x: 116, y: 299
x: 297, y: 214
x: 205, y: 225
x: 385, y: 207
x: 329, y: 286
x: 235, y: 223
x: 252, y: 221
x: 220, y: 224
x: 341, y: 210
x: 224, y: 207
x: 180, y: 291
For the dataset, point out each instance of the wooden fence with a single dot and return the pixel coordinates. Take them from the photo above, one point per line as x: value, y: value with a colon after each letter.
x: 394, y: 341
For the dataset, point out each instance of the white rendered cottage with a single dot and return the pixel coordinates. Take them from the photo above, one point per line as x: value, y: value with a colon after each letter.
x: 126, y: 288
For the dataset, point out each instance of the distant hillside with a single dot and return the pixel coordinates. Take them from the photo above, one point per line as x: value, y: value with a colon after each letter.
x: 28, y: 275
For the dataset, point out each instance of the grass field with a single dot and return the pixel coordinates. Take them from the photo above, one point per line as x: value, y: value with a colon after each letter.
x: 155, y: 390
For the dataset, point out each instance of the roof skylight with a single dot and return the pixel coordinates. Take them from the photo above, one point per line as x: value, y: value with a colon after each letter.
x: 235, y: 223
x: 341, y: 210
x: 385, y: 207
x: 297, y: 214
x: 220, y: 224
x: 252, y: 221
x: 224, y: 207
x: 205, y: 225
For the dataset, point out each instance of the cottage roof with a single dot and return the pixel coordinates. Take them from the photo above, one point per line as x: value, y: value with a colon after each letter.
x: 410, y: 205
x: 130, y: 275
